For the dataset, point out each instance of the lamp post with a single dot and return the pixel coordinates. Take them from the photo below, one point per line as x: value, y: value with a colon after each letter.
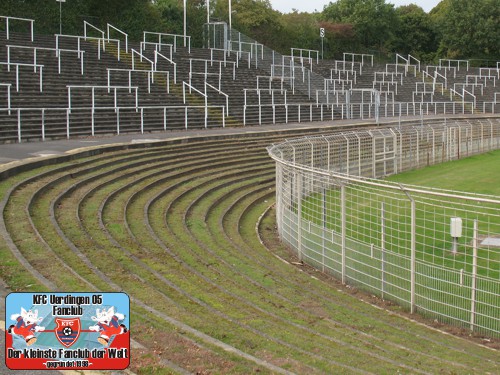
x: 185, y: 29
x: 60, y: 14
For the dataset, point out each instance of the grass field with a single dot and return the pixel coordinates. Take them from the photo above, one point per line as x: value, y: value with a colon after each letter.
x: 478, y: 174
x: 371, y: 211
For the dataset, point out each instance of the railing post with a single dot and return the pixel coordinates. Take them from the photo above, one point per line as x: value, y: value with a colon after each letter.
x: 474, y: 276
x: 19, y: 125
x: 343, y: 219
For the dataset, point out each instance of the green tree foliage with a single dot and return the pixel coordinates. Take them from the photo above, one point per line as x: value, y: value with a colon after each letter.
x: 374, y: 22
x: 469, y: 28
x: 130, y: 16
x: 416, y: 35
x: 453, y: 29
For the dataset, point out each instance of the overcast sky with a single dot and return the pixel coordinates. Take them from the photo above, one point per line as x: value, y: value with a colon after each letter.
x: 286, y: 6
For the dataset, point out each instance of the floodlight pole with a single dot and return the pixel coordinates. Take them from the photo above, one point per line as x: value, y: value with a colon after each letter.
x: 230, y: 15
x: 60, y: 15
x: 185, y: 29
x: 208, y: 11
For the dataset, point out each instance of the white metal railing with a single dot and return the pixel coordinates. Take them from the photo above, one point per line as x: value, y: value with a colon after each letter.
x: 414, y: 59
x: 489, y: 72
x: 310, y: 53
x: 158, y: 54
x: 103, y: 34
x: 388, y: 77
x: 356, y: 56
x: 8, y: 87
x: 191, y: 89
x: 453, y: 63
x: 469, y: 87
x: 462, y: 95
x: 35, y: 66
x: 79, y: 39
x: 208, y: 85
x: 271, y: 79
x: 186, y: 39
x: 7, y: 28
x: 220, y: 63
x: 338, y: 84
x: 442, y: 70
x: 352, y: 66
x: 75, y: 126
x: 157, y: 47
x: 58, y: 53
x: 150, y: 76
x: 474, y: 79
x: 110, y: 27
x: 344, y: 74
x: 93, y: 89
x: 386, y: 86
x: 141, y: 59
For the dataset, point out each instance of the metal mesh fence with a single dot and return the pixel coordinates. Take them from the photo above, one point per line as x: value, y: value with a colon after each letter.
x: 430, y: 250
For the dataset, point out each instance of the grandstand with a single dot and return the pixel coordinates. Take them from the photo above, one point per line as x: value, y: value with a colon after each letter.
x: 99, y: 82
x: 173, y: 223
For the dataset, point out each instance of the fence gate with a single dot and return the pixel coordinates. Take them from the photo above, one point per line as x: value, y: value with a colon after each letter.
x: 215, y: 35
x: 384, y: 149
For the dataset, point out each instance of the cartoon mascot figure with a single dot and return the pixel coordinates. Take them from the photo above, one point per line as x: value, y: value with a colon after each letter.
x: 26, y: 326
x: 107, y: 324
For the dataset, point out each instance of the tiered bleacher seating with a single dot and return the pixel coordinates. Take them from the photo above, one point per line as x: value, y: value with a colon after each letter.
x: 69, y: 85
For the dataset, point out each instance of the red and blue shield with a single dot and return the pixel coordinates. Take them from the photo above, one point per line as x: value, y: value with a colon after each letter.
x: 67, y: 330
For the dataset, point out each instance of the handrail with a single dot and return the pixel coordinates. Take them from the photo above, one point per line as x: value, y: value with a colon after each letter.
x: 142, y: 47
x: 94, y: 87
x: 116, y: 109
x: 458, y: 62
x: 156, y: 54
x: 121, y: 32
x: 85, y: 24
x: 220, y: 92
x: 8, y: 85
x: 175, y: 36
x: 142, y: 57
x: 7, y: 18
x: 353, y: 55
x: 410, y: 57
x: 150, y: 73
x: 57, y: 50
x: 17, y: 65
x: 184, y: 84
x: 309, y: 51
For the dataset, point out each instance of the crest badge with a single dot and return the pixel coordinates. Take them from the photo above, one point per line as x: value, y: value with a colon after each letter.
x: 67, y: 330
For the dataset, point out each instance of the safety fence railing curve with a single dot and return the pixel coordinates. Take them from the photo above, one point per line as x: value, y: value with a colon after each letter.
x: 434, y: 252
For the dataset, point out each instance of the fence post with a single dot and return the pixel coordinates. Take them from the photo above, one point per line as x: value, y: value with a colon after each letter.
x: 474, y: 277
x: 382, y: 249
x: 298, y: 181
x: 343, y: 230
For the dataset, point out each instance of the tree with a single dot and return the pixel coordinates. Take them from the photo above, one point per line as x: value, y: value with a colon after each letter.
x: 471, y: 28
x: 374, y: 22
x: 416, y: 33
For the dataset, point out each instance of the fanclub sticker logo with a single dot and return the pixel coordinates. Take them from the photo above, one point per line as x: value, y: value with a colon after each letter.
x: 67, y: 331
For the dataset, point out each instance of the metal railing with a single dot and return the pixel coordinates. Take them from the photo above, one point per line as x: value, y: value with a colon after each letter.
x: 7, y: 26
x: 310, y: 53
x: 186, y: 39
x: 110, y: 27
x: 34, y: 66
x: 8, y: 87
x: 58, y: 53
x: 72, y: 88
x: 104, y: 120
